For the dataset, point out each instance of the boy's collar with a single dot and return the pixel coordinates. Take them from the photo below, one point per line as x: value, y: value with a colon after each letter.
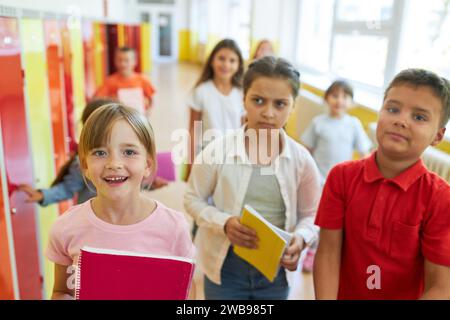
x: 404, y: 180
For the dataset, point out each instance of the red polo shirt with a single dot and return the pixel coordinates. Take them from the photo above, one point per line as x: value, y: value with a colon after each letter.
x: 392, y: 224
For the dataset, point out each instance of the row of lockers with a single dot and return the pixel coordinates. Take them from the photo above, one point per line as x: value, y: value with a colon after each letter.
x: 49, y: 68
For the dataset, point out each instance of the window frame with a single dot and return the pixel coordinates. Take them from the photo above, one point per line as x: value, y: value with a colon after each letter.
x: 391, y: 29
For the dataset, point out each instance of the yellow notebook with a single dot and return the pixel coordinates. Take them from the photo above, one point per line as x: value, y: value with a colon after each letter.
x: 272, y: 243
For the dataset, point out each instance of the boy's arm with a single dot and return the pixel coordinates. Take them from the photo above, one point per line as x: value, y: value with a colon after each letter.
x: 437, y: 281
x: 148, y: 101
x: 62, y: 289
x: 327, y: 264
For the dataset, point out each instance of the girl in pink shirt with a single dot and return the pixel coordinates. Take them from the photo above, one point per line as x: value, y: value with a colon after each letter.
x: 116, y: 152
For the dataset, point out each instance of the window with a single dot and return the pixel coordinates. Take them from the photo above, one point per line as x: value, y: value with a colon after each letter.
x: 367, y: 43
x: 339, y: 38
x: 356, y: 10
x: 360, y: 57
x: 426, y: 41
x: 429, y: 47
x: 239, y: 24
x: 314, y: 36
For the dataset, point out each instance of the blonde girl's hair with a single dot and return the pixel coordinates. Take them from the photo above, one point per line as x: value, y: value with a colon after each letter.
x: 260, y: 44
x: 97, y: 130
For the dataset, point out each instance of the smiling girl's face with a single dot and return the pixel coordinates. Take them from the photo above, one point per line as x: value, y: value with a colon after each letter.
x: 117, y: 168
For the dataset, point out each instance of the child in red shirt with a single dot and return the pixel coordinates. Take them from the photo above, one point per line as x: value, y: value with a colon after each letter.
x: 385, y: 220
x: 126, y: 83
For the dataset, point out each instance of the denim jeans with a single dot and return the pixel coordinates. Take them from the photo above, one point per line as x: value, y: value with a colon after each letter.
x: 241, y: 281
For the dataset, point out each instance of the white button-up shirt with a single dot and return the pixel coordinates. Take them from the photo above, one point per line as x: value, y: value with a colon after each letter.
x: 222, y: 171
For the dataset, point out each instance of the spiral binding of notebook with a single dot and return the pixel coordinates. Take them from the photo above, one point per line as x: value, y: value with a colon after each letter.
x: 78, y: 277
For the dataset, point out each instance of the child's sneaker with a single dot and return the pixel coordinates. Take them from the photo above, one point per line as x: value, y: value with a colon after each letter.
x: 308, y: 262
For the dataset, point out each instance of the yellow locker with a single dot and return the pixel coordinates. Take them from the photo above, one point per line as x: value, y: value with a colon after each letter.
x: 79, y: 98
x: 38, y: 111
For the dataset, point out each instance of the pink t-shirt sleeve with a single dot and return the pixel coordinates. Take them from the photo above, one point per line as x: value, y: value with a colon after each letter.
x: 56, y: 249
x: 183, y: 244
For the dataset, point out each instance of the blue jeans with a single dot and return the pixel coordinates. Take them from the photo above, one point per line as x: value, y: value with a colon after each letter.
x: 241, y: 281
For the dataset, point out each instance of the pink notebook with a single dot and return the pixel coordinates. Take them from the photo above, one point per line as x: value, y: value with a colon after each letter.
x: 120, y: 275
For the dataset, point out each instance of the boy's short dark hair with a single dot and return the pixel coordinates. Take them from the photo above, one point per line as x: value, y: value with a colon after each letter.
x: 420, y: 77
x: 125, y: 49
x: 339, y: 85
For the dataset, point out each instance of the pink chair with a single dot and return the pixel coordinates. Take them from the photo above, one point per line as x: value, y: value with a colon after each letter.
x: 166, y: 167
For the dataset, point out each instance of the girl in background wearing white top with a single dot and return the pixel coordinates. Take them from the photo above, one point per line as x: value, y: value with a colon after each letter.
x: 331, y: 138
x: 284, y: 187
x: 217, y: 97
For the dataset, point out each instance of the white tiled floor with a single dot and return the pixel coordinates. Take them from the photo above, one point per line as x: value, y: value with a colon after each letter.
x: 173, y: 83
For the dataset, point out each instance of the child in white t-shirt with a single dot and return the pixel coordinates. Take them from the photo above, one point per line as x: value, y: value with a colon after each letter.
x: 216, y: 103
x: 332, y: 138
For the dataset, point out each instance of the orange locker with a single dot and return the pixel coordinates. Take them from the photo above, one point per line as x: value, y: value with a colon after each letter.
x: 89, y: 58
x: 68, y: 86
x: 100, y: 53
x: 55, y: 71
x: 17, y: 161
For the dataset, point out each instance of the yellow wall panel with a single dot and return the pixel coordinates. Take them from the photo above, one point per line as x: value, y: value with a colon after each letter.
x: 38, y: 110
x: 213, y: 39
x: 99, y: 54
x: 444, y: 146
x: 364, y: 115
x: 120, y: 35
x: 146, y: 52
x: 79, y: 98
x: 291, y: 125
x: 184, y: 45
x: 194, y: 54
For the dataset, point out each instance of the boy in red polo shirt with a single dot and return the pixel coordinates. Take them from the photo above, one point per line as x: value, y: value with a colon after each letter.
x: 133, y: 89
x: 385, y: 219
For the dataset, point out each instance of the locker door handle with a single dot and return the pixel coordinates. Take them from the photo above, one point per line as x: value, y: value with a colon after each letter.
x: 13, y: 210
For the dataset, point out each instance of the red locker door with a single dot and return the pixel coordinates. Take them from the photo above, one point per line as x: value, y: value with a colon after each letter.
x: 55, y: 69
x: 132, y: 39
x: 113, y: 41
x: 18, y: 163
x: 8, y: 274
x: 68, y: 86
